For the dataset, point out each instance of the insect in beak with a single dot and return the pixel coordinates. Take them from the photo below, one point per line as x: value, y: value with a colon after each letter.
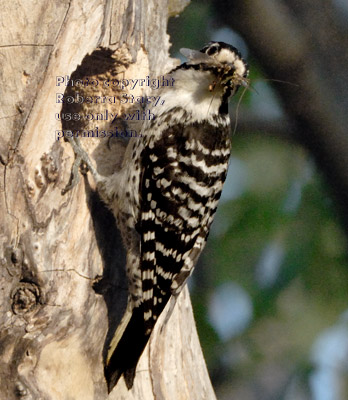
x: 212, y: 86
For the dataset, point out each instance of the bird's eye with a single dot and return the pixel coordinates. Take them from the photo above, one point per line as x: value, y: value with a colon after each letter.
x: 212, y: 50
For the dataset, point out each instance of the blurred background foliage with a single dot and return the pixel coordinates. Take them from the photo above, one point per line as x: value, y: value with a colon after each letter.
x: 270, y: 292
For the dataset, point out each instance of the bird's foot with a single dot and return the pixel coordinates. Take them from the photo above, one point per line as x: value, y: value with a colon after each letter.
x: 82, y: 161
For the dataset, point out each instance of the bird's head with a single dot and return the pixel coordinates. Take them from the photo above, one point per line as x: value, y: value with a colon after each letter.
x: 224, y: 61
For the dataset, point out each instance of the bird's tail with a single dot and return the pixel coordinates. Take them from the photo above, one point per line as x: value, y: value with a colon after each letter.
x: 126, y: 348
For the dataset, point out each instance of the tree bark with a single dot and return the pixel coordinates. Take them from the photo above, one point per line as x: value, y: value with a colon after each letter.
x: 62, y: 263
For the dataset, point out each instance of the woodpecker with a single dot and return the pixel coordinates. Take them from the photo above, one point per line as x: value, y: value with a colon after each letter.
x: 165, y: 195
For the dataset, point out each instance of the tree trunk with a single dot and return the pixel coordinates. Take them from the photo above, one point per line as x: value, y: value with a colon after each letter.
x: 62, y: 264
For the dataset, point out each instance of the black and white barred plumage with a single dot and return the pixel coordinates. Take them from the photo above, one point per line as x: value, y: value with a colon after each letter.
x: 165, y: 196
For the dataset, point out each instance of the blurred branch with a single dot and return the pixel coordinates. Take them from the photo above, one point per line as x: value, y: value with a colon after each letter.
x: 250, y: 123
x: 290, y: 48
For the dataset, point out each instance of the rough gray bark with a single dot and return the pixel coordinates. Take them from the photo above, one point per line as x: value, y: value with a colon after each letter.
x: 56, y: 317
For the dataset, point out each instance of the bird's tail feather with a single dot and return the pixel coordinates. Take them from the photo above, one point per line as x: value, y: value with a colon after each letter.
x: 126, y: 348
